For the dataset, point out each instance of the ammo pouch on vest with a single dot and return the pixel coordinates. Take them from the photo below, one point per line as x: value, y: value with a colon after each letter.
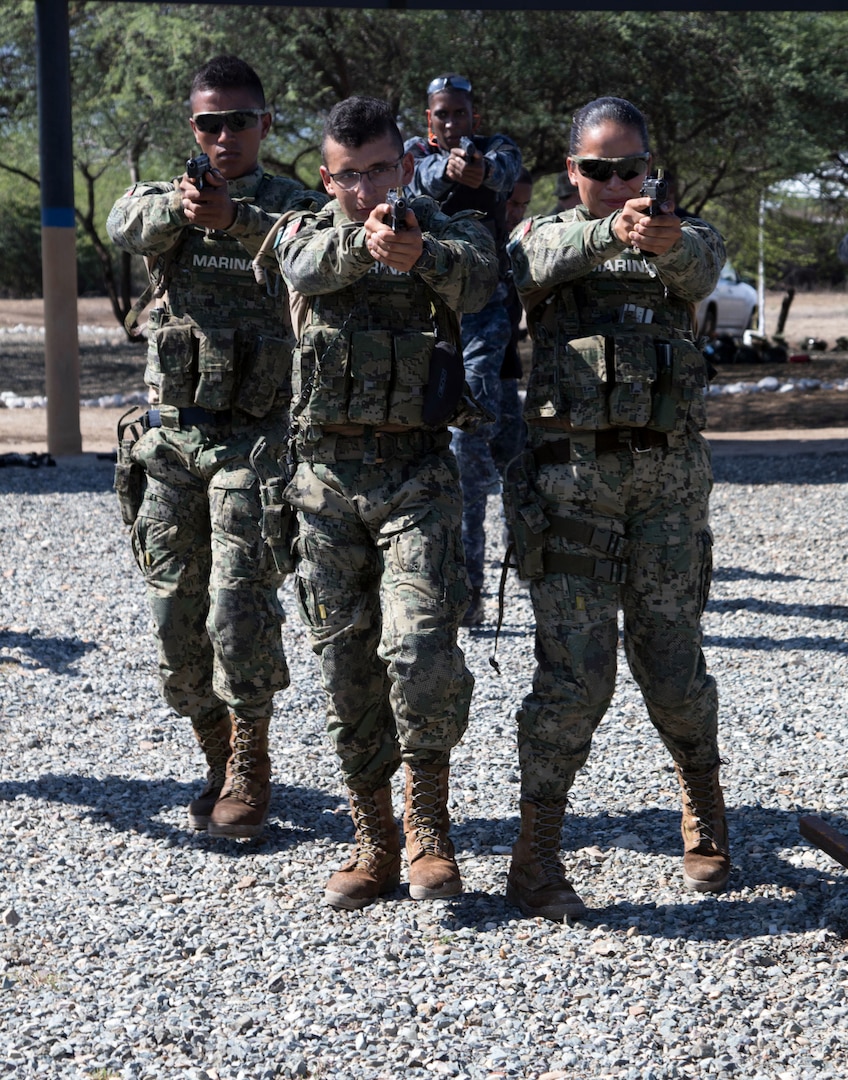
x: 264, y: 372
x: 679, y: 386
x: 445, y: 384
x: 633, y: 380
x: 526, y: 515
x: 218, y: 369
x: 369, y: 377
x: 129, y: 475
x: 279, y: 519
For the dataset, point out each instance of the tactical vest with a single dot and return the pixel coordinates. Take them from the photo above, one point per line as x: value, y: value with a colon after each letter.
x: 614, y: 349
x: 364, y: 352
x: 221, y: 341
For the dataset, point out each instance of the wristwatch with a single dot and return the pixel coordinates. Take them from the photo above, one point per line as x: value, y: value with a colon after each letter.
x: 429, y: 254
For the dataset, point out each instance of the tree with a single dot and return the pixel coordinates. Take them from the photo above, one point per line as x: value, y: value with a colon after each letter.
x: 736, y: 101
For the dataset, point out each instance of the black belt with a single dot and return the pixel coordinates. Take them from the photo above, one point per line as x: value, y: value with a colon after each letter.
x: 608, y: 441
x: 188, y: 417
x: 372, y: 448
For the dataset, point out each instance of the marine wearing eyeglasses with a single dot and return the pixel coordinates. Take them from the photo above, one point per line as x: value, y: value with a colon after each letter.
x: 380, y: 572
x: 218, y: 376
x: 464, y: 170
x: 621, y: 474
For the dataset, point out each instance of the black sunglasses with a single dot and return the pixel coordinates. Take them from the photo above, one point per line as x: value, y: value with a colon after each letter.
x: 601, y: 169
x: 448, y: 82
x: 212, y: 123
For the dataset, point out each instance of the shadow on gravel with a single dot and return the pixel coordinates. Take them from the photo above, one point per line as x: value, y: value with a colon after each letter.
x: 90, y: 474
x: 805, y: 467
x: 57, y: 654
x: 156, y: 808
x: 804, y: 898
x: 741, y: 573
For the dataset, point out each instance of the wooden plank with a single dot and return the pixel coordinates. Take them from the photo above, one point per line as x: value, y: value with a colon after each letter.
x: 825, y: 837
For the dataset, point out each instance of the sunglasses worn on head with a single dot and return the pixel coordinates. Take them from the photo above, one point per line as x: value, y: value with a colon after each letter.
x: 212, y: 123
x: 449, y: 82
x: 601, y: 169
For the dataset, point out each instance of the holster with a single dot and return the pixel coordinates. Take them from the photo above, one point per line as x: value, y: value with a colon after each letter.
x: 526, y: 515
x: 129, y: 475
x: 279, y: 518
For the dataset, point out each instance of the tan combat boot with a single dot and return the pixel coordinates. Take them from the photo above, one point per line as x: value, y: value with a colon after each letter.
x: 706, y: 853
x: 374, y: 868
x: 432, y: 867
x: 536, y: 882
x: 213, y: 735
x: 242, y: 806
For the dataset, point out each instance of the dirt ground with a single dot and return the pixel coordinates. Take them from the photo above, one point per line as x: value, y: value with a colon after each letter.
x: 110, y: 364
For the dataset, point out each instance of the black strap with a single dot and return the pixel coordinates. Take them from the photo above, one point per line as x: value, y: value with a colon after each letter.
x: 188, y: 417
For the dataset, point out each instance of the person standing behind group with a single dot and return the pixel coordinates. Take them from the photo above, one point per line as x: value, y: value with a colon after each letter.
x: 465, y: 171
x: 381, y: 580
x: 615, y: 404
x: 218, y: 369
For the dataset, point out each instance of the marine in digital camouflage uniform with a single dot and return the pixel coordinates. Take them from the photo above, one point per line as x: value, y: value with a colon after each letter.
x: 381, y: 580
x: 218, y: 372
x: 444, y: 172
x: 611, y: 508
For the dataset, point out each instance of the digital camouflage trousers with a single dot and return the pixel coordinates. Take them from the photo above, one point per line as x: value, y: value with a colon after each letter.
x: 381, y: 587
x: 657, y: 502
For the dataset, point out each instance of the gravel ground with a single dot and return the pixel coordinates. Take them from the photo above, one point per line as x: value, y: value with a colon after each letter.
x: 130, y: 947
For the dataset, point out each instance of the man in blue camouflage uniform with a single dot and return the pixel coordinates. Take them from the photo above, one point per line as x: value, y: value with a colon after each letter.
x: 381, y: 580
x: 218, y: 371
x: 611, y: 507
x: 464, y: 171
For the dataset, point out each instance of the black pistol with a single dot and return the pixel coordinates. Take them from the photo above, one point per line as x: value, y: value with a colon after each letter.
x: 656, y: 189
x: 197, y: 167
x: 468, y: 148
x: 398, y: 204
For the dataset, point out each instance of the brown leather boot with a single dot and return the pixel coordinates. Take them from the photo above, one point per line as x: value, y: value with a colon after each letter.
x: 432, y: 867
x: 214, y: 739
x: 374, y: 868
x: 242, y: 806
x: 536, y: 882
x: 706, y: 853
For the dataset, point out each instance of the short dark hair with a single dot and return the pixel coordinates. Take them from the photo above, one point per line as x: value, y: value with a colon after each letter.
x: 615, y: 109
x: 359, y: 120
x: 228, y: 72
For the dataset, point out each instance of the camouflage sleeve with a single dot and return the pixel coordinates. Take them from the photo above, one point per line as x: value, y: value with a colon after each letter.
x: 691, y: 269
x: 548, y: 251
x: 322, y: 252
x: 252, y: 222
x: 465, y: 273
x: 147, y: 220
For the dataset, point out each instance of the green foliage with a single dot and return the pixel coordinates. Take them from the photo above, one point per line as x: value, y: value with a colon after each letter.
x: 736, y: 101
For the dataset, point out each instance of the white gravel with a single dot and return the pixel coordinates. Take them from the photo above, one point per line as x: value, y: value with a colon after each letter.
x: 131, y: 947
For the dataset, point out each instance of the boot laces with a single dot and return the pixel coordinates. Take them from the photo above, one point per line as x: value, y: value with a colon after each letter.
x: 546, y: 840
x: 701, y: 799
x: 371, y: 839
x: 243, y: 763
x: 427, y: 809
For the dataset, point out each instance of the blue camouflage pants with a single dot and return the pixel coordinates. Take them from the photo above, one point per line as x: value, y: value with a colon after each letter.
x: 211, y: 582
x: 381, y: 588
x: 485, y: 335
x: 657, y: 501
